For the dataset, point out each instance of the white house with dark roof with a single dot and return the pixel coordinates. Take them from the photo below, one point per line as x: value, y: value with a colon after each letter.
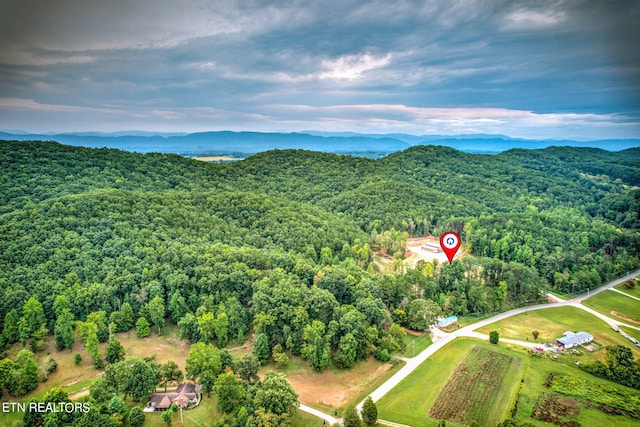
x: 573, y: 339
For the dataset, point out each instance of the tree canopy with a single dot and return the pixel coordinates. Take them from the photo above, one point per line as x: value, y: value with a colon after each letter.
x: 283, y: 244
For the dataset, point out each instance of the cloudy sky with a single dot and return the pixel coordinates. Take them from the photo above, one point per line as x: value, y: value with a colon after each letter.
x: 553, y: 69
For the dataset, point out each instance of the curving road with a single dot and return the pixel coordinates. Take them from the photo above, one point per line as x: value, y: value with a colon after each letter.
x: 414, y: 362
x: 440, y: 340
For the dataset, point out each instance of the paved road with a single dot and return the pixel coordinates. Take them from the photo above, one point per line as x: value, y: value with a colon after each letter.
x: 414, y: 362
x: 319, y: 414
x: 624, y: 293
x: 441, y: 340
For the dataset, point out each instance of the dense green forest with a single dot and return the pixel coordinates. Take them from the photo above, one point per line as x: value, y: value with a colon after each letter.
x: 281, y: 244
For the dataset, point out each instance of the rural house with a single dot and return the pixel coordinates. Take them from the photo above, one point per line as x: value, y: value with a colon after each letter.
x: 185, y: 394
x: 573, y: 339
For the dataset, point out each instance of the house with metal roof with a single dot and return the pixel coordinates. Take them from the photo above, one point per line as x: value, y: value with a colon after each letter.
x: 573, y: 339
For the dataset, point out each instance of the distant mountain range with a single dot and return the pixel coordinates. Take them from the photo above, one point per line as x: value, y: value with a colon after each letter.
x: 243, y: 143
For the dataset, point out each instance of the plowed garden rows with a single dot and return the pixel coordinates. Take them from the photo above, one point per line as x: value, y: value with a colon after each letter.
x: 473, y: 390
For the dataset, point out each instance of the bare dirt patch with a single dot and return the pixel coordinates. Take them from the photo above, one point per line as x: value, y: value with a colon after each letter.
x: 216, y: 159
x: 553, y: 408
x: 414, y: 333
x: 623, y: 317
x: 334, y: 387
x: 425, y: 248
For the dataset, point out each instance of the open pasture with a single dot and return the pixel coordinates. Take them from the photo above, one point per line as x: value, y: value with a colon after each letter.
x: 552, y: 322
x: 616, y: 305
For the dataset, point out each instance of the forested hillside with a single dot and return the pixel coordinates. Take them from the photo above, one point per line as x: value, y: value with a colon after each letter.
x: 282, y: 243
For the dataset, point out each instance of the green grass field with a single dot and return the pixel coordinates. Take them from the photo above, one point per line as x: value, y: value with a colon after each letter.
x: 608, y: 301
x: 635, y: 291
x: 415, y: 345
x: 552, y: 322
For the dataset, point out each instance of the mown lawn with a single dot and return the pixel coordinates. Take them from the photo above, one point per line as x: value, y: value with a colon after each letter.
x: 552, y: 322
x: 635, y: 291
x: 609, y: 301
x: 415, y: 345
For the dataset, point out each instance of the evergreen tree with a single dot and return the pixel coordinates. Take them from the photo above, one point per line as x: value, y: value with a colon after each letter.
x: 10, y: 330
x: 143, y: 328
x: 351, y: 418
x: 33, y: 313
x: 156, y: 311
x: 369, y: 412
x: 347, y: 351
x: 261, y: 348
x: 63, y: 331
x: 316, y: 347
x: 126, y: 317
x: 206, y: 327
x: 248, y: 367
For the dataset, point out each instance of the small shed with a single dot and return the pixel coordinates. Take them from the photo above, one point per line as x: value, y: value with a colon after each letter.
x: 447, y: 321
x: 573, y: 339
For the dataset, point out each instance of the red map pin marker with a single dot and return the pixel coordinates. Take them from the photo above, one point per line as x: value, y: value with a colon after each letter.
x: 450, y: 243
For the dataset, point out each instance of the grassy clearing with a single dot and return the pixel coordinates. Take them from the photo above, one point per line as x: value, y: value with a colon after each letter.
x: 328, y: 391
x: 552, y: 322
x: 331, y: 390
x: 371, y: 386
x: 473, y: 392
x: 415, y: 345
x: 302, y: 419
x: 411, y: 400
x: 471, y: 319
x: 609, y: 301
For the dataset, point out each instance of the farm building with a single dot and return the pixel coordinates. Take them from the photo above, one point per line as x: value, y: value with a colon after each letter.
x: 185, y: 394
x: 447, y: 321
x: 572, y: 339
x: 432, y: 247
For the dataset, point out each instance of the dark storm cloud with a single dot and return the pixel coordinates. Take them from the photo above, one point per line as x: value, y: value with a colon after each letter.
x: 525, y: 68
